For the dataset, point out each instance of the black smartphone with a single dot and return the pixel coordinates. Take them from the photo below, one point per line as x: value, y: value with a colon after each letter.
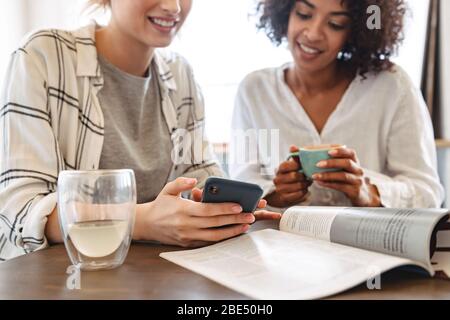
x: 220, y: 190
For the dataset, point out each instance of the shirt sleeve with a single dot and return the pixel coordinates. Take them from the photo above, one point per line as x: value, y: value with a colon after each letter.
x: 411, y: 179
x: 244, y: 162
x: 29, y: 157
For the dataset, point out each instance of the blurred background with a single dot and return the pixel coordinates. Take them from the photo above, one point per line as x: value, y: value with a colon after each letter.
x: 219, y: 39
x: 221, y: 42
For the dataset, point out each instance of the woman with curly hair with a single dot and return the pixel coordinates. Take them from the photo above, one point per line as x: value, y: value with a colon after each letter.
x: 341, y: 88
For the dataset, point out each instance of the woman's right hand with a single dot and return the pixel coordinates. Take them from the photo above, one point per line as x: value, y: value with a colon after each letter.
x: 291, y: 186
x: 171, y: 219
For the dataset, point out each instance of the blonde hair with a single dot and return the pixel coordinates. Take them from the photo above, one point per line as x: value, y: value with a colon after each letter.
x: 98, y: 4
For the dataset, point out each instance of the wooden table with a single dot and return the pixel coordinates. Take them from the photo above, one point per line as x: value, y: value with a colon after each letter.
x: 144, y: 275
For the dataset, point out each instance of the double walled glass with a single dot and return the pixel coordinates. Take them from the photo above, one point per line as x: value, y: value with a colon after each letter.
x: 96, y: 212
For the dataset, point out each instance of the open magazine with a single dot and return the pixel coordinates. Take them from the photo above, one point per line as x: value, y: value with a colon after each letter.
x: 321, y: 251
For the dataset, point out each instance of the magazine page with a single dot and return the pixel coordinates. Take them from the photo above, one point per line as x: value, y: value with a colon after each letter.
x: 271, y: 264
x: 313, y: 222
x: 401, y: 232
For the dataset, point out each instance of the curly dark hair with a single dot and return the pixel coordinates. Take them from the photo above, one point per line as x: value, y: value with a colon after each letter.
x: 366, y: 50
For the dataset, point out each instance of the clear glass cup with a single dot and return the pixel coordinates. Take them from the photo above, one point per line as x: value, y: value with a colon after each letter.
x: 96, y: 212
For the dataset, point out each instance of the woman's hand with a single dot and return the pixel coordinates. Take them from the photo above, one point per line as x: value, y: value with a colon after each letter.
x: 351, y: 180
x: 291, y: 186
x: 171, y: 219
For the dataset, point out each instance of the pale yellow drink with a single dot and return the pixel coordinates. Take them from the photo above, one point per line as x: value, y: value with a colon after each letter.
x: 99, y: 238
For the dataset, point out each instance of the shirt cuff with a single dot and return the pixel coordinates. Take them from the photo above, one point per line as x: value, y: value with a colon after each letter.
x: 270, y: 187
x: 389, y: 195
x: 32, y: 231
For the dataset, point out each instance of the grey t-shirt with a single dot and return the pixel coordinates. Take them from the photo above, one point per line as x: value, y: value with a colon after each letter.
x: 136, y: 133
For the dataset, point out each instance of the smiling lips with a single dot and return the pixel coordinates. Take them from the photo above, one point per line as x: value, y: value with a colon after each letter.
x: 163, y: 24
x: 309, y: 50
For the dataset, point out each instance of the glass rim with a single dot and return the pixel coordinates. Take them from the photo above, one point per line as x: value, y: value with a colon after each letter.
x: 323, y: 147
x: 98, y: 172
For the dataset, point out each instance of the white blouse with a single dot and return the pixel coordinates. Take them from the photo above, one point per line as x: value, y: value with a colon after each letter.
x: 384, y: 118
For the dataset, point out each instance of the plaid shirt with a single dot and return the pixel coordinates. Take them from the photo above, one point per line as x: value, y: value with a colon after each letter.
x: 51, y: 120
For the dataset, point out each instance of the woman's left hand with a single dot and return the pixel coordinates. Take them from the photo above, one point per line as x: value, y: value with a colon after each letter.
x: 351, y: 180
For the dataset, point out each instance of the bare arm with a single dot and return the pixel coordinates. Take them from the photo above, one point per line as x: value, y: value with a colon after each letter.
x: 54, y: 235
x: 52, y: 230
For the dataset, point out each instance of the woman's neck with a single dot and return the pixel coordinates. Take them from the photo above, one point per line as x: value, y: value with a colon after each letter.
x: 312, y: 83
x: 123, y: 51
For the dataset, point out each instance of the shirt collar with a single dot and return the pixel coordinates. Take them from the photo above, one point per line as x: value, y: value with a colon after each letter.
x: 88, y: 65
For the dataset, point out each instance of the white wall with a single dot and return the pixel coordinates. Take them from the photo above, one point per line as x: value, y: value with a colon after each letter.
x: 412, y: 52
x: 19, y: 17
x: 13, y: 26
x: 444, y: 155
x: 221, y: 43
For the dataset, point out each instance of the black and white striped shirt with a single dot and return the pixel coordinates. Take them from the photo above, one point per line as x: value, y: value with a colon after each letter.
x: 51, y: 120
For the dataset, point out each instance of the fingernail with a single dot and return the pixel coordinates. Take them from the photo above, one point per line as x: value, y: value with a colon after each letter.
x: 250, y: 218
x: 317, y: 176
x: 237, y: 209
x: 333, y: 152
x: 245, y: 227
x: 191, y: 181
x: 322, y: 164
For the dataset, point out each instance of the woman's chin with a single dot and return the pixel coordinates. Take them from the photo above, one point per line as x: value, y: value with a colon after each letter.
x: 163, y: 43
